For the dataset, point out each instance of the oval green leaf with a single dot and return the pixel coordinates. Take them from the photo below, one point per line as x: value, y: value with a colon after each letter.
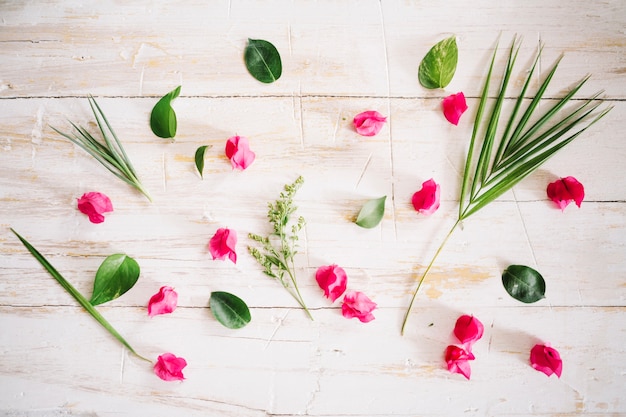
x: 439, y: 64
x: 229, y: 309
x: 163, y: 118
x: 200, y: 158
x: 372, y: 213
x: 524, y: 283
x: 117, y: 274
x: 263, y: 60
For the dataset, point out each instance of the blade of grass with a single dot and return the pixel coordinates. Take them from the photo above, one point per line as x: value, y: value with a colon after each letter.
x: 77, y: 295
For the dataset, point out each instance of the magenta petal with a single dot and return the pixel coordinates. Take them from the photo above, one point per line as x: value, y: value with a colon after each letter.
x: 468, y: 329
x: 223, y: 243
x: 546, y: 359
x: 565, y: 190
x: 238, y: 151
x: 426, y: 200
x: 453, y: 107
x: 333, y: 280
x: 356, y: 304
x: 169, y: 367
x: 163, y: 302
x: 457, y: 360
x: 369, y: 123
x: 94, y: 204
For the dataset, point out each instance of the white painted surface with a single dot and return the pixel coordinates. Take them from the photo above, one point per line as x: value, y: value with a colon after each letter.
x: 339, y: 59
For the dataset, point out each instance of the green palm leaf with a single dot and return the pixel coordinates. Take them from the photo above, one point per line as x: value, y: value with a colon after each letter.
x: 525, y: 144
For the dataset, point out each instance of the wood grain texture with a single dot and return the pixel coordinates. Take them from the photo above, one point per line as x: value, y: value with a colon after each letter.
x: 339, y: 58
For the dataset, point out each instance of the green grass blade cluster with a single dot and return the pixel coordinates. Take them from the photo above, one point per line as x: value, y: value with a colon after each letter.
x: 110, y: 153
x: 76, y: 294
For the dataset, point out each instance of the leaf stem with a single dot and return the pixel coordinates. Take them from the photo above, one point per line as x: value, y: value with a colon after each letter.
x: 419, y: 284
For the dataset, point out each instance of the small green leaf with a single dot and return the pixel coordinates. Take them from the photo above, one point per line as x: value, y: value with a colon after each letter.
x: 117, y: 274
x: 372, y: 213
x: 263, y: 60
x: 229, y: 310
x: 163, y: 118
x: 439, y: 64
x: 524, y: 283
x: 200, y: 158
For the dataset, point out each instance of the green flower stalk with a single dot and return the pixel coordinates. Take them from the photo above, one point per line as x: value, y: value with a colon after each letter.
x: 278, y: 250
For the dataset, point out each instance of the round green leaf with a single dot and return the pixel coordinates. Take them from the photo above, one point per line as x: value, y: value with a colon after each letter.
x: 200, y: 158
x: 229, y: 310
x: 439, y: 64
x: 524, y: 283
x: 263, y: 60
x: 163, y: 118
x: 372, y: 213
x: 117, y: 274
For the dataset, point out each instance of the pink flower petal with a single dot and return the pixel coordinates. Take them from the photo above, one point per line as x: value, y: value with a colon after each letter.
x: 163, y: 302
x: 546, y: 359
x: 426, y: 200
x: 333, y: 280
x: 356, y: 304
x: 222, y: 244
x: 565, y: 190
x: 468, y: 329
x: 457, y: 360
x: 238, y: 151
x: 170, y: 368
x: 94, y: 204
x: 369, y: 123
x: 453, y: 107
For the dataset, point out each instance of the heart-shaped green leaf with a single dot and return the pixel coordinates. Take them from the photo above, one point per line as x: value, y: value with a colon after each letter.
x: 163, y: 117
x: 200, y: 158
x: 439, y: 64
x: 524, y: 283
x: 116, y: 275
x: 229, y: 309
x: 263, y: 60
x: 372, y: 213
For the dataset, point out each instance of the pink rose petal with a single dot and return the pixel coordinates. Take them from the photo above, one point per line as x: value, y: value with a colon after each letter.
x: 356, y: 304
x: 163, y: 302
x: 453, y: 107
x: 369, y: 123
x: 94, y: 204
x: 426, y: 200
x: 333, y: 280
x: 565, y: 190
x: 222, y: 244
x: 170, y: 368
x: 458, y: 359
x: 238, y: 151
x: 468, y: 329
x: 546, y: 359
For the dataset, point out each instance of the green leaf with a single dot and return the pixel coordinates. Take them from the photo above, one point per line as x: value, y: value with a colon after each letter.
x: 77, y: 295
x: 200, y: 158
x: 439, y: 64
x: 372, y: 213
x: 263, y: 60
x: 163, y: 118
x: 229, y: 309
x: 524, y: 283
x: 117, y: 274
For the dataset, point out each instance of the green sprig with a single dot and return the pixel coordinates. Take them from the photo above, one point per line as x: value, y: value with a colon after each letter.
x: 278, y: 250
x: 529, y: 139
x: 110, y: 153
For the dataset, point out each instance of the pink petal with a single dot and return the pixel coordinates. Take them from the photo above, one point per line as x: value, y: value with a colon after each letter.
x: 163, y: 302
x: 356, y: 304
x: 426, y: 200
x: 369, y: 123
x: 238, y: 151
x: 169, y: 368
x: 468, y: 329
x: 223, y: 243
x: 546, y: 359
x: 457, y: 360
x: 94, y: 204
x: 453, y: 107
x: 333, y: 280
x: 565, y: 190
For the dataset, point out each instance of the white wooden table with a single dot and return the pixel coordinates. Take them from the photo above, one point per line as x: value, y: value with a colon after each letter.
x: 339, y: 58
